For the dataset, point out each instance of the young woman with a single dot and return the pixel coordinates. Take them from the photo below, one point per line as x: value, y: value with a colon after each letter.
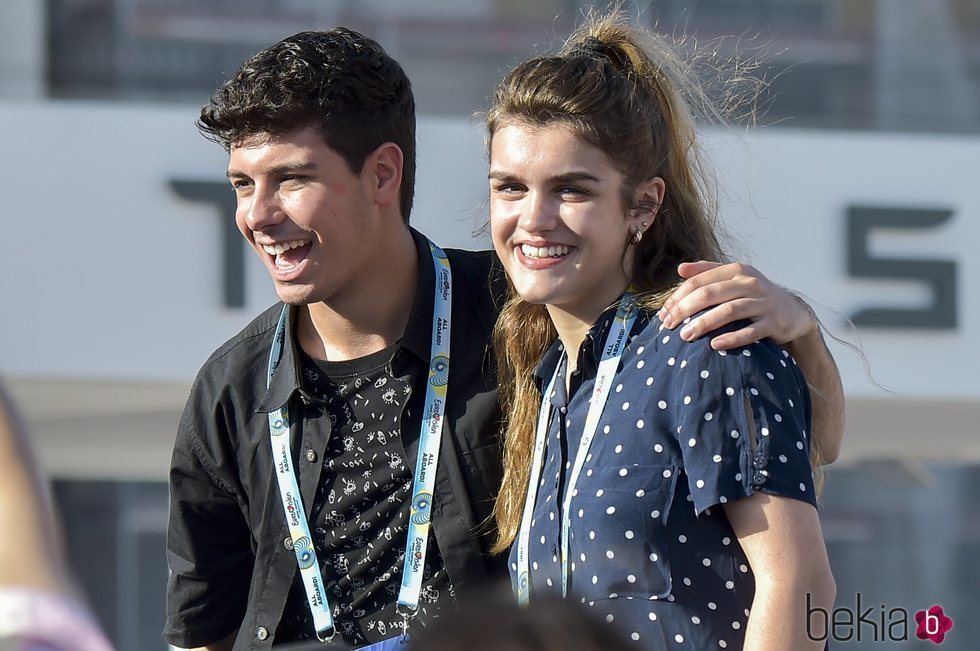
x: 661, y: 482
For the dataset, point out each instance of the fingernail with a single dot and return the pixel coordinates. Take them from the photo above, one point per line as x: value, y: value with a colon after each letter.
x: 688, y: 332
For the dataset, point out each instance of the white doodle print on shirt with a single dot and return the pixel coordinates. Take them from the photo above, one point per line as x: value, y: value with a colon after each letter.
x: 361, y: 501
x: 349, y: 487
x: 334, y: 519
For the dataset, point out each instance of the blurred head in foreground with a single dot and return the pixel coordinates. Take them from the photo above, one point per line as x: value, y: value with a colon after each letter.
x: 500, y: 624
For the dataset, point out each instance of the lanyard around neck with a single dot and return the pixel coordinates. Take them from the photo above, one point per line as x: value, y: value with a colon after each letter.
x: 425, y: 468
x: 608, y: 365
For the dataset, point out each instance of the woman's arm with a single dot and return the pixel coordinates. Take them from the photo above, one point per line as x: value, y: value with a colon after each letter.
x: 737, y: 291
x: 784, y: 544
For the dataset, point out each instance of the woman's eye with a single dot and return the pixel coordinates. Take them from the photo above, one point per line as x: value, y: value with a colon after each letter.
x: 508, y: 188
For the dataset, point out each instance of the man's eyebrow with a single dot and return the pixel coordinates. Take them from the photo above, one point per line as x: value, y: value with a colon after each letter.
x: 277, y: 170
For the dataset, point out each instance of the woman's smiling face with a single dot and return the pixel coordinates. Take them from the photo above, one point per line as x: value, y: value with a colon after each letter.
x: 557, y: 217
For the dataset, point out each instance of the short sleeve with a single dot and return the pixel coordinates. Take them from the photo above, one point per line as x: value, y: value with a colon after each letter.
x: 743, y: 423
x: 208, y: 549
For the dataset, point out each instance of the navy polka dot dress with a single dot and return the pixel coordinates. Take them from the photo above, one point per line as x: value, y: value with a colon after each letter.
x: 685, y: 430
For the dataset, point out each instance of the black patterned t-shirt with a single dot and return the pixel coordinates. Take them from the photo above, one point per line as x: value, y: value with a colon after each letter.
x: 360, y: 513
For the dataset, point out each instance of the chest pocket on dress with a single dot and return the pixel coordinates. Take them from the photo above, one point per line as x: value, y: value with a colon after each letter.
x: 619, y: 532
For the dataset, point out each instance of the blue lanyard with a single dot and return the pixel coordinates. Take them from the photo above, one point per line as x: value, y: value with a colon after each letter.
x: 425, y: 468
x: 608, y: 365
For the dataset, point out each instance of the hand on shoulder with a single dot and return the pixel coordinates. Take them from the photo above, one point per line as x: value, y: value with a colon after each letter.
x: 725, y: 293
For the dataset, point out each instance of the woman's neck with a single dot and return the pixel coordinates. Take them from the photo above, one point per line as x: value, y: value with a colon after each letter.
x: 573, y: 323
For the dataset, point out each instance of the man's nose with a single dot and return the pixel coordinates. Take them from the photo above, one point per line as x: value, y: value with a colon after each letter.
x: 262, y: 208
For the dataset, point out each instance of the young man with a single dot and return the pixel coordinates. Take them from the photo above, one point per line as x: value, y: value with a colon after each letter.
x: 334, y: 429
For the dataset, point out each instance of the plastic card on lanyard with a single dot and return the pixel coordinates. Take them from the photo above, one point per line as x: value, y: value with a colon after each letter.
x: 425, y: 469
x: 608, y: 365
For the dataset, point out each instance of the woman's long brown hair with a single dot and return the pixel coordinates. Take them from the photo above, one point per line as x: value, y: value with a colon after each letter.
x: 626, y: 92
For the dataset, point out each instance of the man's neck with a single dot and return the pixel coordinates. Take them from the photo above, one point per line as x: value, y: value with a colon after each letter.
x: 371, y: 317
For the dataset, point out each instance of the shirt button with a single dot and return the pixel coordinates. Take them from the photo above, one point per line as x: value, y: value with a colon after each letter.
x: 262, y: 633
x: 311, y: 456
x: 288, y: 543
x: 760, y: 478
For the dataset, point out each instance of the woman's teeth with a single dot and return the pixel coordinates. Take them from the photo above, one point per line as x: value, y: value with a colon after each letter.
x: 282, y: 247
x: 545, y: 251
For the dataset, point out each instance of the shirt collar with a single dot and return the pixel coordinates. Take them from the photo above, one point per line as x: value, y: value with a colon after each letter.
x: 546, y: 368
x: 418, y: 332
x: 287, y: 378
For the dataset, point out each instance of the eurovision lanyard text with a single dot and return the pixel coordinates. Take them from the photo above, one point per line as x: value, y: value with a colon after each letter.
x: 608, y: 365
x: 425, y: 469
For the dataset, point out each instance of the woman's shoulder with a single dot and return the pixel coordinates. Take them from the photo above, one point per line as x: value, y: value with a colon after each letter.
x: 656, y: 346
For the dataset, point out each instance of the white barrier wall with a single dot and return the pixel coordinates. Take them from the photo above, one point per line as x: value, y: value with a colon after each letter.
x: 108, y: 273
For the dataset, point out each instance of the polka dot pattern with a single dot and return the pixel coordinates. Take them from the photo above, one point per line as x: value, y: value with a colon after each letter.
x: 649, y: 552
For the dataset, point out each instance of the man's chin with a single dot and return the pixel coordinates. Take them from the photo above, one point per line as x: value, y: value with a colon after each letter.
x: 292, y: 295
x: 294, y: 302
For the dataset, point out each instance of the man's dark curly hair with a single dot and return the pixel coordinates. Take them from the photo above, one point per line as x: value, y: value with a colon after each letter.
x: 338, y: 81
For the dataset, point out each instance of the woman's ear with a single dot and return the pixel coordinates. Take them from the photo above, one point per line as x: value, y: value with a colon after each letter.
x: 646, y: 203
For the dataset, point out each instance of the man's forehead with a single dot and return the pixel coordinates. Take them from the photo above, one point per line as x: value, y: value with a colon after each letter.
x: 306, y: 136
x: 252, y: 140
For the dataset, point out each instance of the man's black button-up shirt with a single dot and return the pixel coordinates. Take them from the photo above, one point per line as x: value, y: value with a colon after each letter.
x: 230, y: 565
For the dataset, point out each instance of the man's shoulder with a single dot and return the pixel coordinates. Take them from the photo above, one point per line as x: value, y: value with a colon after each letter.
x: 480, y: 273
x: 250, y: 343
x: 478, y: 261
x: 473, y: 270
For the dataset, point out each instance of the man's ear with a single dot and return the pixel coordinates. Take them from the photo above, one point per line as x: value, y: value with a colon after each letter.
x: 384, y: 167
x: 647, y: 199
